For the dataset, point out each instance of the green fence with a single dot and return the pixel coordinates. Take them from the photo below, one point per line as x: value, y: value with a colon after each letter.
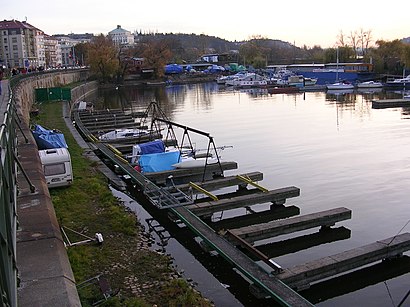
x: 8, y: 207
x: 52, y: 93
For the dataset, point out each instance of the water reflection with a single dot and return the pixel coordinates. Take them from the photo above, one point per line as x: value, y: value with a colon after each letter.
x: 333, y: 146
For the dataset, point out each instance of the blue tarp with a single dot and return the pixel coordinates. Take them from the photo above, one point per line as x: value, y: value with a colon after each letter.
x: 173, y: 69
x: 152, y: 147
x: 158, y: 162
x: 48, y: 139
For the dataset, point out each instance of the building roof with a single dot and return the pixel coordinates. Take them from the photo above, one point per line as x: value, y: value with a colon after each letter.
x: 118, y: 30
x: 15, y: 24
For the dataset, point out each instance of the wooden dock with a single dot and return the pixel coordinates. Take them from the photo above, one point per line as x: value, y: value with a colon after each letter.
x: 273, y: 286
x: 390, y: 103
x: 275, y: 228
x: 223, y: 182
x: 275, y: 196
x: 300, y: 276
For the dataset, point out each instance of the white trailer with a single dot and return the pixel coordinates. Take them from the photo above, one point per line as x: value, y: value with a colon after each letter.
x: 57, y: 167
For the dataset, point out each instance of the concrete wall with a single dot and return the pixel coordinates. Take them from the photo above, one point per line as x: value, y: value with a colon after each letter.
x: 24, y: 94
x: 46, y: 278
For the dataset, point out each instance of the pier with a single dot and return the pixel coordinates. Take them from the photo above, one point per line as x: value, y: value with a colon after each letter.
x: 390, y: 103
x: 195, y: 202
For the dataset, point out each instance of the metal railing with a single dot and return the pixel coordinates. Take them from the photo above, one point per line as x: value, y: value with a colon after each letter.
x: 8, y: 205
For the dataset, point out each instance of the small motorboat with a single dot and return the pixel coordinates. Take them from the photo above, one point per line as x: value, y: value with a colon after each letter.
x: 122, y: 134
x: 340, y: 86
x: 369, y: 84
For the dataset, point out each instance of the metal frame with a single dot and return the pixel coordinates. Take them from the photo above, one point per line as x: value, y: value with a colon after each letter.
x: 8, y: 207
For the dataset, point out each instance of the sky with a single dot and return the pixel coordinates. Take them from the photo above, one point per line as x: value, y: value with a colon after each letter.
x: 299, y: 22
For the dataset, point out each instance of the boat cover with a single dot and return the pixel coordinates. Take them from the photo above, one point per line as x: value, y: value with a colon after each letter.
x: 158, y: 162
x: 156, y: 146
x: 173, y: 69
x: 48, y: 139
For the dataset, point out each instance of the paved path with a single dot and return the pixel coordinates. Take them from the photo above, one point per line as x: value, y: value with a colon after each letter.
x: 45, y: 275
x: 4, y: 98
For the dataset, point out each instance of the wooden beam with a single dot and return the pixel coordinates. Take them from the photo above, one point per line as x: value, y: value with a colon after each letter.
x: 262, y: 231
x: 207, y: 208
x: 301, y: 276
x: 219, y: 183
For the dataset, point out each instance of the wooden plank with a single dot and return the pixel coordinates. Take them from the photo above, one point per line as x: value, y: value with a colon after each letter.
x: 296, y: 244
x: 279, y: 195
x: 185, y: 173
x: 219, y: 183
x: 390, y: 103
x: 262, y: 231
x: 301, y: 276
x: 279, y: 291
x: 275, y: 212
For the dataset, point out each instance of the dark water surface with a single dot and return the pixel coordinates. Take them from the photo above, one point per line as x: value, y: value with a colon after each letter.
x: 337, y: 149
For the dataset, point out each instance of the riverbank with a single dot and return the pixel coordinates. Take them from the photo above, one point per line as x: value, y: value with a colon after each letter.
x: 139, y: 274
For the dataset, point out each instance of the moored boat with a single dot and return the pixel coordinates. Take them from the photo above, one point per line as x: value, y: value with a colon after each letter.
x: 340, y: 86
x: 399, y: 83
x: 122, y: 134
x: 250, y: 80
x: 301, y: 81
x: 369, y: 84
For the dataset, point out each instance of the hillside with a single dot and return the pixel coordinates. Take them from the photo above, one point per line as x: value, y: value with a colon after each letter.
x: 190, y: 46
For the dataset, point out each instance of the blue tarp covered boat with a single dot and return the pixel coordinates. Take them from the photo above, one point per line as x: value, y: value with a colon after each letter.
x: 48, y: 139
x: 158, y: 162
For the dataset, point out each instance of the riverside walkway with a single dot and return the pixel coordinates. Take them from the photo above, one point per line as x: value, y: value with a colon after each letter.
x: 44, y: 272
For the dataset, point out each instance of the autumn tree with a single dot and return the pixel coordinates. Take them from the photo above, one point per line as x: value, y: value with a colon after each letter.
x: 391, y: 56
x: 255, y: 52
x: 81, y: 51
x: 156, y: 54
x: 103, y: 58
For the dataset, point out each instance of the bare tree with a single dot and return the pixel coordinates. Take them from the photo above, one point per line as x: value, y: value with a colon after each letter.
x: 364, y: 38
x: 354, y: 41
x: 340, y: 39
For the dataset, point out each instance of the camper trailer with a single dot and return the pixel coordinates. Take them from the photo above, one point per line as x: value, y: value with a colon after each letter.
x: 57, y: 167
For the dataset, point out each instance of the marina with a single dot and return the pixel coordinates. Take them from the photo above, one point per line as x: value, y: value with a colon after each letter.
x: 199, y: 215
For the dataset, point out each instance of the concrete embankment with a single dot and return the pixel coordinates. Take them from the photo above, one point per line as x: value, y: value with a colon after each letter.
x: 45, y: 274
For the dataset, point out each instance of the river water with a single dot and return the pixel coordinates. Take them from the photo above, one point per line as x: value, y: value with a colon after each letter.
x: 337, y: 149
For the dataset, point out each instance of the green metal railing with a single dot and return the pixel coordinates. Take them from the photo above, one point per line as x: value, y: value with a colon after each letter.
x: 8, y: 206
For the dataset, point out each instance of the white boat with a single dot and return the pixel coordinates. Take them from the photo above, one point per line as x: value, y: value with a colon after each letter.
x: 403, y: 82
x: 340, y: 86
x: 369, y: 84
x: 250, y: 80
x: 122, y: 133
x: 301, y: 81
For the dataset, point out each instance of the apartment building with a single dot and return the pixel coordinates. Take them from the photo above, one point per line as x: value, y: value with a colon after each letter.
x: 52, y: 52
x: 21, y: 45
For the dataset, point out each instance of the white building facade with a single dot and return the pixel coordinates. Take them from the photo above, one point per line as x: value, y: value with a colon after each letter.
x: 121, y: 37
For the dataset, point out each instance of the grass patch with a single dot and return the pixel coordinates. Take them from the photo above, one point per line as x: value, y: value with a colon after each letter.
x: 143, y: 277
